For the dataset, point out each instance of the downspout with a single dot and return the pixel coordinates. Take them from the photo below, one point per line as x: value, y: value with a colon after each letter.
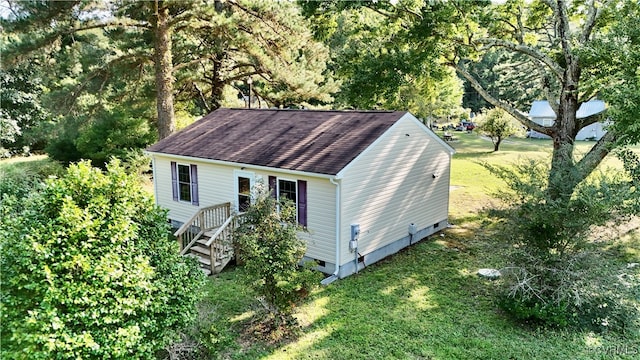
x: 333, y: 277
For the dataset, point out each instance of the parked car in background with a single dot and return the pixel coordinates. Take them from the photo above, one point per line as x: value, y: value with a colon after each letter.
x: 466, y: 125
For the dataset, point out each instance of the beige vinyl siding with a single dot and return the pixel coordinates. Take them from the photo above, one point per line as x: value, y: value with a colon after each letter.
x: 391, y: 185
x: 216, y: 185
x: 321, y: 215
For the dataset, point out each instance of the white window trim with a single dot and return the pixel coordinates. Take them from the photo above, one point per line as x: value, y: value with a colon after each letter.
x: 236, y: 190
x: 178, y: 164
x: 295, y: 182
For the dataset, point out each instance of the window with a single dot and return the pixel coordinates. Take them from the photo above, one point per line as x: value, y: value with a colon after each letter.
x: 296, y: 191
x: 244, y: 193
x: 287, y: 190
x: 184, y: 180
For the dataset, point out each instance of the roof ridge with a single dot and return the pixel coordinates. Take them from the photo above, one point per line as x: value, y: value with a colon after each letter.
x: 319, y: 110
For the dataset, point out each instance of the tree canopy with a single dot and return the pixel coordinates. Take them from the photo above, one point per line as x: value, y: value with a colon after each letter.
x: 97, y: 58
x: 562, y: 50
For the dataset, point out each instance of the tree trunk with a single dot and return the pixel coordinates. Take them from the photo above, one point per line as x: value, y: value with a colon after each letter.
x: 217, y: 84
x: 496, y: 145
x: 563, y: 177
x: 164, y: 71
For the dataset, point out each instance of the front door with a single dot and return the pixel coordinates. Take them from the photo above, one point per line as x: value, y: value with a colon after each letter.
x: 243, y: 184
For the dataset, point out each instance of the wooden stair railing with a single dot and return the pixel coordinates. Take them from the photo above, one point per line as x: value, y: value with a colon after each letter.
x: 208, y: 236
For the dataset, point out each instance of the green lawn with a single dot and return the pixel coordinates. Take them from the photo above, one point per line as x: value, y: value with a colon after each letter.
x: 425, y: 302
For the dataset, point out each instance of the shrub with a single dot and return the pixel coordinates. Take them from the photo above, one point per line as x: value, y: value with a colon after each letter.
x: 90, y: 272
x: 21, y: 178
x: 557, y: 275
x: 271, y: 251
x: 112, y: 133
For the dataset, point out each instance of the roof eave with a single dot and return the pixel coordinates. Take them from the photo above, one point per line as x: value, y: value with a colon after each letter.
x: 242, y: 165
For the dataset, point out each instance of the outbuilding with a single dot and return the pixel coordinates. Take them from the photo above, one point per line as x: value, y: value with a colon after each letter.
x: 542, y: 113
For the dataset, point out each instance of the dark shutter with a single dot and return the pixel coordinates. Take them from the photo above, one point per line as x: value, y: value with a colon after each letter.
x: 194, y: 185
x: 302, y: 202
x: 174, y: 180
x: 273, y: 187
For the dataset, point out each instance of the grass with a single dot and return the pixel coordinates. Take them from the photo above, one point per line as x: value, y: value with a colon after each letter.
x: 425, y: 302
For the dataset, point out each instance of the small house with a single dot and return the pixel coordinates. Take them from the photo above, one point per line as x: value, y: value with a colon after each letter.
x: 542, y: 113
x: 365, y: 183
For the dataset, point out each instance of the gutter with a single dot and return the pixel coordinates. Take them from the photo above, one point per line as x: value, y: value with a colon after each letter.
x: 333, y: 277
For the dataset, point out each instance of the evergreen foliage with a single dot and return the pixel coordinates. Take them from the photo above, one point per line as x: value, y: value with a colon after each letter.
x: 89, y: 271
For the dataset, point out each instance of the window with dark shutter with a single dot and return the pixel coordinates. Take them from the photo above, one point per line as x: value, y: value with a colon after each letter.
x: 296, y: 191
x: 302, y: 202
x: 184, y: 183
x: 194, y: 185
x: 174, y: 180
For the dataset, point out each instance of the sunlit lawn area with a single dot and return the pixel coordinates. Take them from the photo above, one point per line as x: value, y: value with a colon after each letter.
x: 427, y: 301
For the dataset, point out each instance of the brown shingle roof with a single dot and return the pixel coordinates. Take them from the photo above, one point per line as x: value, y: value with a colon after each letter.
x: 320, y: 142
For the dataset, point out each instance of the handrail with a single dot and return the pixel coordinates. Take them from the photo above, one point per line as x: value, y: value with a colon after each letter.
x: 219, y: 231
x: 187, y: 224
x: 193, y: 241
x: 202, y: 221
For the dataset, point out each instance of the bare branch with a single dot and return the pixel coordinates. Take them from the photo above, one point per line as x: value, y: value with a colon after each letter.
x: 204, y: 100
x: 592, y: 119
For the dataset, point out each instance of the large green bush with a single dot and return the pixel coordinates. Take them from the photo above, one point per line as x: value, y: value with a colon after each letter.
x: 271, y: 251
x: 558, y: 275
x: 88, y: 271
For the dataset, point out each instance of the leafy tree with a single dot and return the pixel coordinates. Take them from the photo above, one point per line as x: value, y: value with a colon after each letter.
x: 20, y: 112
x: 378, y: 71
x: 570, y: 52
x: 564, y: 50
x: 90, y: 272
x: 271, y: 251
x: 497, y: 125
x: 114, y: 134
x: 566, y: 46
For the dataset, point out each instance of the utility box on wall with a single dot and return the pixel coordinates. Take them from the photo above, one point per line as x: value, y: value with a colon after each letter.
x: 355, y: 235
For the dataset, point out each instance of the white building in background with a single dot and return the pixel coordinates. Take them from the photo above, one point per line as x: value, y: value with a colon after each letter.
x: 542, y: 113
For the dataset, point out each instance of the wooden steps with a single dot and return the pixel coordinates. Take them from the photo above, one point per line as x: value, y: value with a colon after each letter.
x: 202, y: 252
x: 194, y: 235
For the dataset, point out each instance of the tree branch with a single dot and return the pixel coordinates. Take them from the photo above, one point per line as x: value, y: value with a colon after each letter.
x: 519, y: 115
x: 523, y: 49
x: 204, y: 100
x: 592, y: 18
x: 592, y: 119
x: 594, y: 157
x: 564, y: 29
